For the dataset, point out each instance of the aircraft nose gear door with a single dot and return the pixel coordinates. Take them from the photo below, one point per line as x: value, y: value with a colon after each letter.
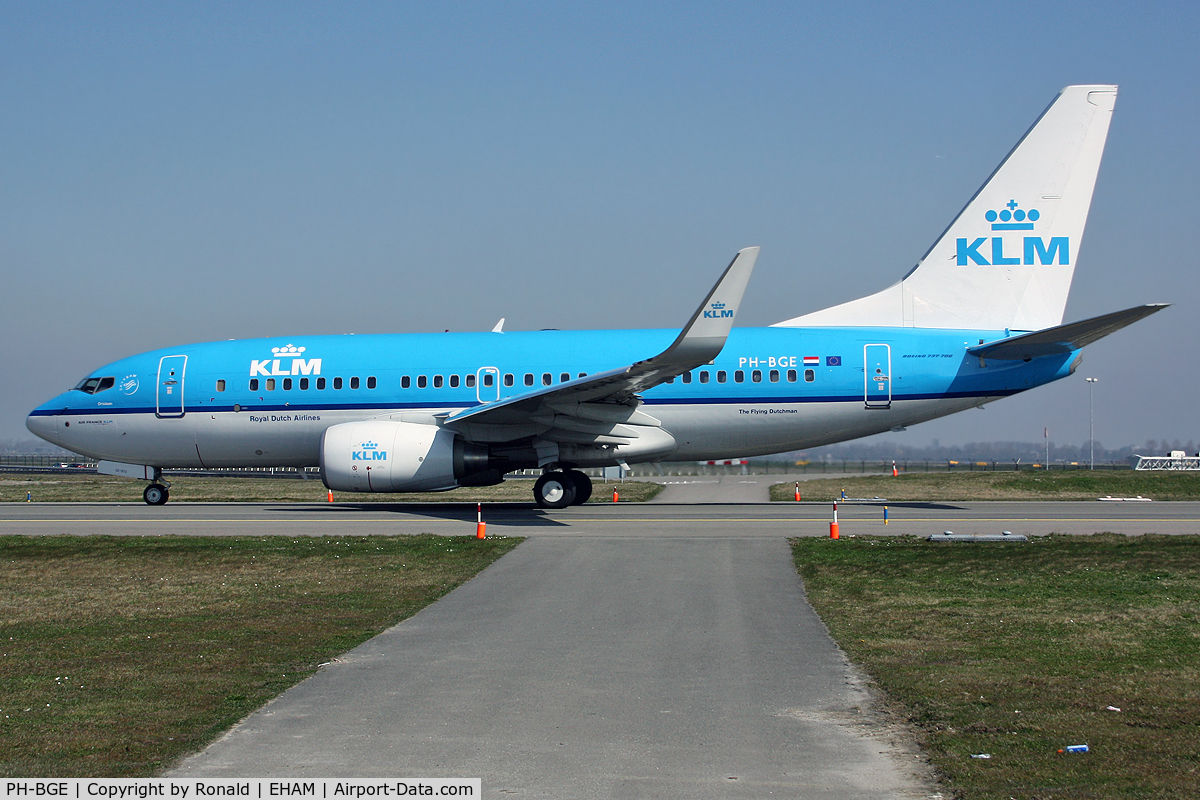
x: 877, y: 375
x: 170, y: 386
x: 487, y: 384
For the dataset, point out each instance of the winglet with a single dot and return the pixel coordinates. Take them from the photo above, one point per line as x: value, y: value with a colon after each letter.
x: 499, y: 326
x: 702, y: 339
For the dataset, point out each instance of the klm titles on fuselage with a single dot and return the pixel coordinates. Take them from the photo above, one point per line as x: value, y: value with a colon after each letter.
x: 273, y: 367
x: 270, y: 367
x: 1035, y: 249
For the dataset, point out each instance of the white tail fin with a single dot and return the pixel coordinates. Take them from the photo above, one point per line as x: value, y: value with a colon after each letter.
x: 1007, y: 259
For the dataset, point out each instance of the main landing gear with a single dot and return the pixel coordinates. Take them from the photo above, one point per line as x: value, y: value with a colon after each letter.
x: 156, y: 494
x: 560, y: 489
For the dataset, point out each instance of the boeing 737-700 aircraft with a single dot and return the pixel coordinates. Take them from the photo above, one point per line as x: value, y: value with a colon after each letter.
x: 978, y: 318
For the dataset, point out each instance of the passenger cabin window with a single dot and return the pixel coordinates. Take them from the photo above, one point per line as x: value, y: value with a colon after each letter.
x: 489, y: 378
x: 221, y: 385
x: 756, y: 376
x: 270, y: 384
x: 453, y: 381
x: 337, y: 383
x: 547, y: 379
x: 287, y: 384
x: 721, y: 376
x: 687, y: 377
x: 405, y: 382
x: 529, y: 379
x: 304, y: 384
x: 371, y: 382
x: 508, y: 379
x: 774, y: 375
x: 791, y: 376
x: 437, y: 381
x: 583, y: 374
x: 810, y: 375
x: 422, y: 381
x: 739, y: 376
x: 321, y: 384
x: 704, y: 376
x: 354, y: 382
x: 254, y: 384
x: 470, y: 381
x: 566, y: 376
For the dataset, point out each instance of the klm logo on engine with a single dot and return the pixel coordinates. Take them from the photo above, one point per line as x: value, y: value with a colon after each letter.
x: 1035, y: 249
x: 369, y: 451
x: 718, y: 311
x: 281, y: 365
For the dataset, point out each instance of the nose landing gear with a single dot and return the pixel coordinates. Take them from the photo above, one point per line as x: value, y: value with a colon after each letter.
x: 156, y: 494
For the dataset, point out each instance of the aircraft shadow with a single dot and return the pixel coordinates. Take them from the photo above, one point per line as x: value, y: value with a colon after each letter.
x: 494, y: 513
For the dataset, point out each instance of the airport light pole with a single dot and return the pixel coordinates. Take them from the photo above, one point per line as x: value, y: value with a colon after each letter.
x: 1091, y: 382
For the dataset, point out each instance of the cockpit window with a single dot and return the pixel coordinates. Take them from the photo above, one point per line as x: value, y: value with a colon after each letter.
x: 93, y: 385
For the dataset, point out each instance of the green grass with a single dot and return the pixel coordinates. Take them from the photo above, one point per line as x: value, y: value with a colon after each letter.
x: 1017, y: 650
x: 102, y: 488
x: 119, y: 655
x: 1023, y: 485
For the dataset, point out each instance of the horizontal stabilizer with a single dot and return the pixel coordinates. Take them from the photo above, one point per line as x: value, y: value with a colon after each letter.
x: 1063, y: 339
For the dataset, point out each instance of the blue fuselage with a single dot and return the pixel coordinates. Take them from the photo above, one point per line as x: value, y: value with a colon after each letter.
x: 268, y: 401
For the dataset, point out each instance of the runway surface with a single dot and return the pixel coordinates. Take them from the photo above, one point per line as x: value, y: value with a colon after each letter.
x: 642, y: 650
x: 632, y: 520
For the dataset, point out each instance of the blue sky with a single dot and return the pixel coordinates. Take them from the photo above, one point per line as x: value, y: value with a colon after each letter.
x: 191, y: 172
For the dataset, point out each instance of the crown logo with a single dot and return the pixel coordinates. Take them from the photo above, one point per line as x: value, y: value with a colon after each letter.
x: 369, y: 445
x: 287, y: 350
x: 718, y: 306
x: 1012, y: 218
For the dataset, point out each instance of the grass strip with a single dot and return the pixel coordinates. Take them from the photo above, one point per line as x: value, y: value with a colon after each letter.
x: 119, y: 655
x: 1018, y: 650
x: 1024, y: 485
x: 66, y: 488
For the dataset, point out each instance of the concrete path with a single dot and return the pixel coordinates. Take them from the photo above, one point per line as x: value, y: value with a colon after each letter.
x: 592, y: 668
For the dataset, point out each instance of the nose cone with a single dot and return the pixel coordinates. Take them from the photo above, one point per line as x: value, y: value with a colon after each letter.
x: 43, y: 427
x: 43, y: 421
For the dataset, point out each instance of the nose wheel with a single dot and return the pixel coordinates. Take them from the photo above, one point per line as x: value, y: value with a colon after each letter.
x: 156, y: 494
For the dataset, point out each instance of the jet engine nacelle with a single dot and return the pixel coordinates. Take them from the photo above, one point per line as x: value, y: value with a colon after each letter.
x: 385, y: 456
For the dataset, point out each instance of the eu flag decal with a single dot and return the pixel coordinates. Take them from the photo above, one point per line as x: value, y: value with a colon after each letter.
x: 833, y: 361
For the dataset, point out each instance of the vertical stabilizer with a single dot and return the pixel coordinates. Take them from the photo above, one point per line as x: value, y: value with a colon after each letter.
x: 1007, y: 259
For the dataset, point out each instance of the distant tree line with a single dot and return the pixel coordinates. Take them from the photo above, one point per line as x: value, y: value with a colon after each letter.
x: 1027, y: 452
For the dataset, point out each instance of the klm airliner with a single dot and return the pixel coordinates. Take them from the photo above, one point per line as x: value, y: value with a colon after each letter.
x: 977, y: 319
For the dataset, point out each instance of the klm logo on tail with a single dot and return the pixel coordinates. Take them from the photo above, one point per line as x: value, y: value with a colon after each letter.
x: 1035, y: 249
x: 717, y: 311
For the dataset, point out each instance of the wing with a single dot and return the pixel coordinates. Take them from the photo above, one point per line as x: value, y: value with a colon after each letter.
x: 1062, y: 339
x: 601, y: 409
